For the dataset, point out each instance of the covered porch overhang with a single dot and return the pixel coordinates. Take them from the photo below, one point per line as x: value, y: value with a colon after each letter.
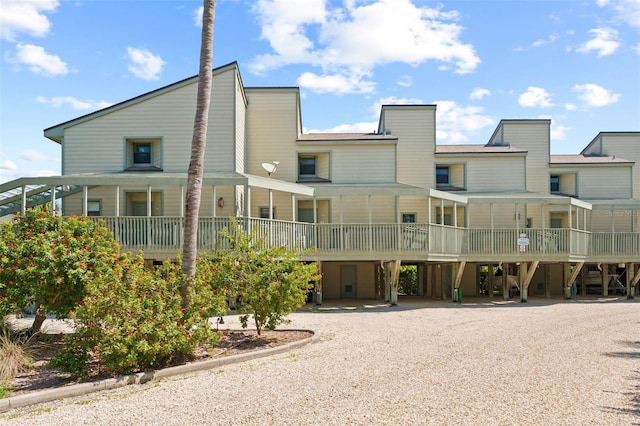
x: 56, y: 186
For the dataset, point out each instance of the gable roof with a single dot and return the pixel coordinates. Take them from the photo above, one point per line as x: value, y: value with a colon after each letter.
x: 55, y: 133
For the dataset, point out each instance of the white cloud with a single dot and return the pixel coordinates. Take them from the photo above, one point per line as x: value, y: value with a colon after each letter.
x: 25, y: 16
x: 197, y: 16
x: 38, y: 60
x: 479, y: 93
x: 8, y: 165
x: 558, y: 132
x: 605, y: 42
x: 144, y: 64
x: 627, y: 11
x: 405, y: 81
x: 570, y: 107
x: 361, y: 127
x: 58, y: 101
x: 376, y: 107
x: 595, y: 96
x: 351, y: 41
x: 454, y: 122
x: 535, y: 97
x: 339, y: 84
x: 31, y: 155
x: 542, y: 42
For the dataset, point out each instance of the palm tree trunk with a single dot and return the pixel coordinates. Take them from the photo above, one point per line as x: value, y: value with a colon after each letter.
x: 198, y: 143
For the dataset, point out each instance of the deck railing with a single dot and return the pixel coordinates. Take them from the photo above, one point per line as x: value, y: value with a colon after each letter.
x: 615, y: 244
x: 162, y: 233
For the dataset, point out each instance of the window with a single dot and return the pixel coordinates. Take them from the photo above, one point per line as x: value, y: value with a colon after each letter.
x: 307, y: 166
x: 264, y: 212
x: 94, y: 208
x: 408, y: 218
x: 141, y: 153
x: 442, y: 176
x: 554, y: 182
x: 447, y: 219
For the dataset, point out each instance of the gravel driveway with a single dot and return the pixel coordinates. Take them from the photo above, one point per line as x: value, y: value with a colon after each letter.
x: 543, y: 362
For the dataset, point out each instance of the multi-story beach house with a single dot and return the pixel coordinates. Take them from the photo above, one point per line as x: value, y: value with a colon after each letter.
x: 505, y: 216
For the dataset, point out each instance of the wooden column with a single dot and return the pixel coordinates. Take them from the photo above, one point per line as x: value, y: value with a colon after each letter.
x: 605, y: 279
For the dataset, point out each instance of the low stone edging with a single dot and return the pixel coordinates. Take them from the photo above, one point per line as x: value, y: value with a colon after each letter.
x: 146, y: 376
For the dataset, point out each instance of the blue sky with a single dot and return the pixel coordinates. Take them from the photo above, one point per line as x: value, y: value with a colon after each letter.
x: 576, y: 62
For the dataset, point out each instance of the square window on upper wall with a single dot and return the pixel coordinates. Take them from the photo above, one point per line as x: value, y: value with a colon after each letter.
x: 307, y: 166
x: 442, y: 176
x: 143, y: 154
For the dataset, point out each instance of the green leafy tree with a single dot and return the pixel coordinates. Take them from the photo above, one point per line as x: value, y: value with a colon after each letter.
x: 132, y: 319
x: 268, y: 282
x: 48, y: 260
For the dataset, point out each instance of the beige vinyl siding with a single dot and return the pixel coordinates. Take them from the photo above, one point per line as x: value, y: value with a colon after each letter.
x: 240, y: 126
x: 496, y: 174
x: 356, y: 209
x: 363, y: 164
x: 98, y: 145
x: 271, y: 130
x: 170, y: 205
x: 604, y: 182
x: 415, y: 129
x: 605, y: 220
x: 532, y: 135
x: 504, y: 215
x: 625, y: 145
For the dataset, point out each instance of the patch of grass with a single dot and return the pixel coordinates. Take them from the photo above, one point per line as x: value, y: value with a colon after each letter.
x: 5, y: 391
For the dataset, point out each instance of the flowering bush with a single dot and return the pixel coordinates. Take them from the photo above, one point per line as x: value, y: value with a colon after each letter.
x: 132, y: 320
x: 48, y: 260
x: 269, y: 283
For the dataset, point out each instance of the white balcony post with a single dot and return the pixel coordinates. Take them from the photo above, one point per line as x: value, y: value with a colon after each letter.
x: 270, y: 204
x: 293, y: 207
x: 315, y: 210
x: 455, y: 227
x: 23, y: 207
x: 148, y: 200
x: 341, y: 223
x: 117, y: 200
x: 181, y: 200
x: 85, y: 199
x: 370, y: 222
x: 214, y: 201
x: 53, y: 200
x: 247, y: 211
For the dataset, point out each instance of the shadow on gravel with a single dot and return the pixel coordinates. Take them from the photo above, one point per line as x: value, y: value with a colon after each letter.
x: 407, y: 303
x: 633, y: 353
x: 634, y: 400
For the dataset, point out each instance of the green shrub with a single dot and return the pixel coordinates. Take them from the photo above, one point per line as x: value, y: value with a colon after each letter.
x: 268, y: 283
x: 408, y: 281
x: 48, y: 260
x: 132, y: 320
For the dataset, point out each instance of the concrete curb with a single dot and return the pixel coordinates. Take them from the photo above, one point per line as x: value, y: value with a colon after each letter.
x: 146, y: 376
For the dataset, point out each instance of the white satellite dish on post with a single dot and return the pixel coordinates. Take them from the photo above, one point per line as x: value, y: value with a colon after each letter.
x: 270, y: 167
